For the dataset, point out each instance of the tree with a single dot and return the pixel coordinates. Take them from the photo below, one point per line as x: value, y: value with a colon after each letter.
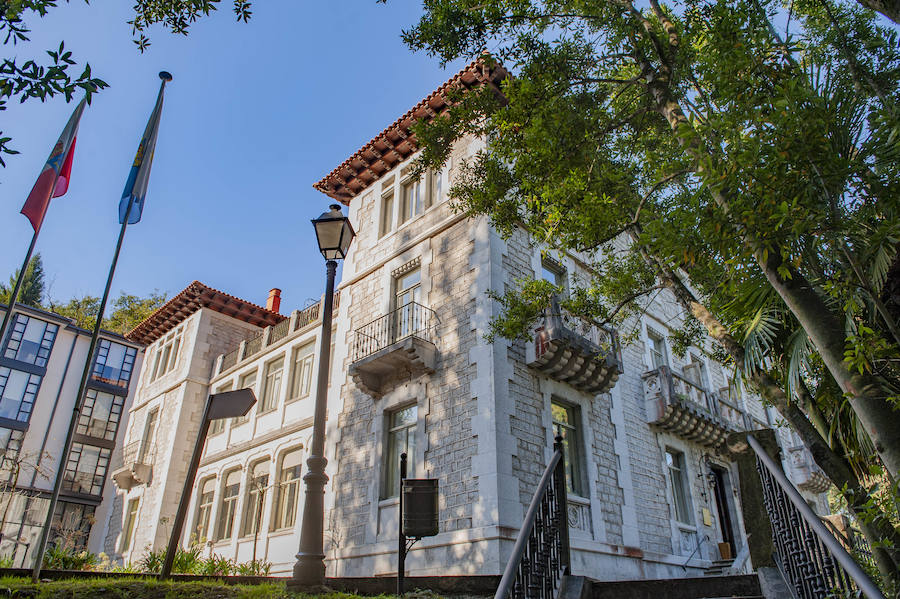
x: 130, y: 310
x: 32, y: 78
x: 32, y: 290
x: 127, y: 310
x: 725, y: 154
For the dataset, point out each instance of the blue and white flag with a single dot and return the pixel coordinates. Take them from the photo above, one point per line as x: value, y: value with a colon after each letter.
x: 139, y: 177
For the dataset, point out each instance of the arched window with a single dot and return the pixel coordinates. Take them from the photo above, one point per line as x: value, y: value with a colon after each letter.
x: 257, y: 487
x: 287, y: 491
x: 228, y: 505
x: 204, y: 510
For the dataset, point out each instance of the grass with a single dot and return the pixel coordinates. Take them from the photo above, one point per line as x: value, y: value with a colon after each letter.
x: 128, y: 588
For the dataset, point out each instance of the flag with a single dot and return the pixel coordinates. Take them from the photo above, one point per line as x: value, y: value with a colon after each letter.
x: 54, y: 178
x: 139, y: 177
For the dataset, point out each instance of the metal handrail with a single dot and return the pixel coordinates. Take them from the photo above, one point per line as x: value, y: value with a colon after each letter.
x: 521, y: 579
x: 831, y: 563
x: 409, y: 320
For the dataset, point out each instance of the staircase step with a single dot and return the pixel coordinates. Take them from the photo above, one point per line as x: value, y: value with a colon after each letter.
x: 742, y: 586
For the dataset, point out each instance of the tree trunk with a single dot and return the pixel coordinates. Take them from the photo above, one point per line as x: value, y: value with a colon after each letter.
x: 889, y: 8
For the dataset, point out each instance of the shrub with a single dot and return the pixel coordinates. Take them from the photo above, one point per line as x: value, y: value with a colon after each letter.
x: 7, y: 561
x: 60, y: 557
x: 152, y: 561
x: 256, y: 567
x: 216, y: 565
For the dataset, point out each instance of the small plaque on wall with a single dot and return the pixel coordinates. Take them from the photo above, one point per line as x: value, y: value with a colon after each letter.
x: 707, y: 517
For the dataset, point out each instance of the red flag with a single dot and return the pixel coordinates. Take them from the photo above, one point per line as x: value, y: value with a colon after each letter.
x: 54, y: 178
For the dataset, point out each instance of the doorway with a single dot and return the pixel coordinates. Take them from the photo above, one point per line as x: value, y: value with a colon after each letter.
x: 721, y: 486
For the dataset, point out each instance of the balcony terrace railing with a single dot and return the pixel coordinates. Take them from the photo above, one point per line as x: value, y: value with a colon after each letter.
x: 411, y: 320
x: 299, y: 319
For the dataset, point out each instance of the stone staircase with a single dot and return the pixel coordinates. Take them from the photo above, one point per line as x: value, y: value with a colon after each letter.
x: 743, y: 586
x: 719, y: 567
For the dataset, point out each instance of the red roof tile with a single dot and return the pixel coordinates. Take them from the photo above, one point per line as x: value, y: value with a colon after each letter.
x: 397, y: 142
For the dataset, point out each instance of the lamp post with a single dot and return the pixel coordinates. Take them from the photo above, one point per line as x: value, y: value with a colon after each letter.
x: 334, y: 234
x: 229, y: 404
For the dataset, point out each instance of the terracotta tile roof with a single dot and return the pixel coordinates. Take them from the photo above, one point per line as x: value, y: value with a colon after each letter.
x: 192, y: 298
x: 397, y: 142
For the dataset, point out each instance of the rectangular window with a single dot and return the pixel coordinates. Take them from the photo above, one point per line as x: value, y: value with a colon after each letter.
x: 406, y: 290
x: 288, y: 490
x: 228, y: 505
x: 437, y: 189
x: 100, y: 415
x: 387, y: 211
x: 218, y: 425
x: 167, y: 353
x: 678, y: 480
x: 412, y: 199
x: 401, y: 438
x: 272, y: 389
x: 86, y: 469
x: 247, y: 381
x: 204, y: 510
x: 114, y: 363
x: 302, y: 371
x: 257, y: 487
x: 554, y: 273
x: 71, y: 525
x: 566, y: 424
x: 128, y: 528
x: 10, y: 447
x: 657, y: 344
x: 30, y: 340
x: 147, y: 442
x: 17, y: 393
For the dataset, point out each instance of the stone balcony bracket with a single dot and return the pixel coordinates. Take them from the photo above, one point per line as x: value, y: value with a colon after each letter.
x: 574, y: 351
x: 678, y: 406
x: 137, y: 468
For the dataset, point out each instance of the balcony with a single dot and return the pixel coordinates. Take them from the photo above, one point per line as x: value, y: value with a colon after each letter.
x: 811, y: 478
x: 676, y: 404
x: 394, y: 348
x: 575, y: 351
x: 137, y: 466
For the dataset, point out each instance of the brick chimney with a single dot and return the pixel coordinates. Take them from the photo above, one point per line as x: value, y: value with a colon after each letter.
x: 274, y: 301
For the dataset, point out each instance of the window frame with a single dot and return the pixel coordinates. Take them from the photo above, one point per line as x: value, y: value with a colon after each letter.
x: 390, y: 484
x: 679, y: 483
x: 387, y: 200
x: 129, y: 524
x: 242, y: 384
x: 28, y: 396
x: 653, y: 335
x: 287, y: 488
x: 269, y: 397
x: 84, y: 425
x: 255, y: 496
x: 125, y: 369
x: 97, y: 474
x: 151, y: 424
x: 165, y: 359
x: 573, y: 446
x: 16, y: 335
x: 204, y: 509
x: 301, y: 358
x: 231, y: 501
x: 217, y: 426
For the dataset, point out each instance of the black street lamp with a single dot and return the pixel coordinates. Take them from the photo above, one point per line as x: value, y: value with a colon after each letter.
x: 334, y: 234
x: 229, y: 404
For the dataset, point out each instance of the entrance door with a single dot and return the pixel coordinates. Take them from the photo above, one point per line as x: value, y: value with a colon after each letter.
x: 720, y: 491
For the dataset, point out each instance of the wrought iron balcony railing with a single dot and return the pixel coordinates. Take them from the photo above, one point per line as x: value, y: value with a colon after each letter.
x: 411, y: 320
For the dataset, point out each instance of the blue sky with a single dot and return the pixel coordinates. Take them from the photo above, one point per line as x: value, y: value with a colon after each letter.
x: 256, y: 113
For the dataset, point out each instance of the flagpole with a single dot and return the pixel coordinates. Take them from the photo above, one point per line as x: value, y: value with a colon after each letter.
x: 14, y: 296
x: 76, y: 411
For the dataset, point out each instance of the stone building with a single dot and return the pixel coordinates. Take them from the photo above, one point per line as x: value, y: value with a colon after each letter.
x: 41, y: 364
x: 651, y: 495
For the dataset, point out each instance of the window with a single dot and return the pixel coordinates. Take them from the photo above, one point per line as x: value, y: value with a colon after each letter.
x: 401, y: 438
x: 695, y: 372
x: 272, y: 389
x: 128, y: 528
x: 657, y: 345
x: 256, y: 498
x: 218, y: 425
x: 437, y: 188
x: 30, y: 340
x: 17, y: 393
x: 114, y: 363
x: 228, y: 505
x: 554, y: 273
x: 247, y: 381
x: 166, y: 353
x: 100, y: 415
x: 71, y: 525
x: 387, y: 209
x: 204, y: 510
x: 301, y: 371
x: 287, y: 490
x: 412, y: 199
x: 10, y: 446
x: 86, y: 469
x: 679, y: 482
x: 407, y: 288
x: 149, y: 434
x: 566, y: 424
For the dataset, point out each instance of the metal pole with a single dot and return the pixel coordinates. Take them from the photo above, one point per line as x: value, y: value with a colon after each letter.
x: 178, y: 525
x: 401, y: 539
x: 76, y: 410
x: 310, y: 566
x: 14, y: 296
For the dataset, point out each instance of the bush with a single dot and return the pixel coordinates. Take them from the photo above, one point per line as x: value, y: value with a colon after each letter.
x: 216, y: 565
x: 61, y: 557
x: 152, y: 561
x: 256, y: 567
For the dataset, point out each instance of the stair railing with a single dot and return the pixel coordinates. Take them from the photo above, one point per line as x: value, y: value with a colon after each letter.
x: 540, y: 557
x: 814, y: 561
